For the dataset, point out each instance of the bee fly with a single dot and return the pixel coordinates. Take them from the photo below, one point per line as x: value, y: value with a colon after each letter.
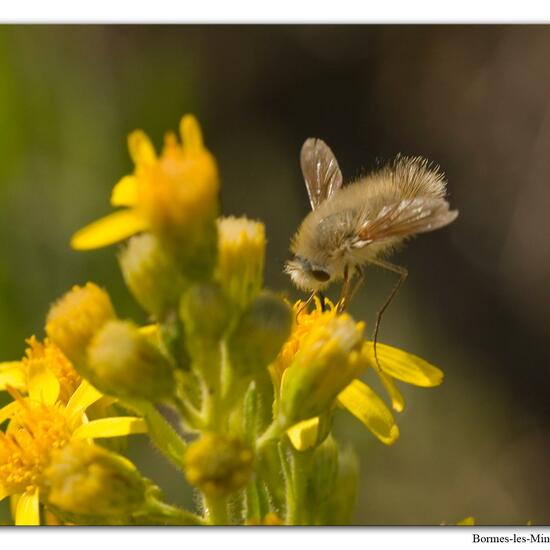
x: 361, y: 223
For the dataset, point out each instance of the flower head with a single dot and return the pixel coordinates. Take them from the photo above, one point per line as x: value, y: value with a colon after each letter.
x: 327, y: 355
x: 174, y: 195
x: 321, y: 363
x: 39, y: 355
x: 41, y: 423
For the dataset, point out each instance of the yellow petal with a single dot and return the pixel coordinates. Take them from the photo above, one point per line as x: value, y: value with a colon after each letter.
x: 125, y: 192
x: 27, y: 511
x: 9, y: 410
x: 304, y: 434
x: 405, y: 366
x: 191, y: 134
x: 152, y: 334
x: 141, y: 149
x: 12, y: 374
x: 397, y: 401
x: 364, y: 404
x: 150, y: 331
x: 43, y: 384
x: 109, y: 230
x: 111, y: 427
x: 3, y: 493
x: 84, y: 396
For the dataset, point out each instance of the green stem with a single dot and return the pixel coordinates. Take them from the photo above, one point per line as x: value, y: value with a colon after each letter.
x: 253, y: 511
x: 190, y: 415
x: 215, y: 510
x: 273, y: 432
x: 210, y: 411
x: 163, y: 435
x: 290, y: 503
x: 300, y: 463
x: 208, y: 365
x: 295, y: 466
x: 160, y: 513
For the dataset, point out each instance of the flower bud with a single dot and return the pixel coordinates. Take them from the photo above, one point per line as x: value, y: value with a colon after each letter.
x: 76, y: 317
x: 87, y: 480
x: 241, y: 256
x: 259, y: 334
x: 205, y: 312
x: 151, y: 275
x: 123, y: 362
x: 218, y: 464
x: 329, y: 358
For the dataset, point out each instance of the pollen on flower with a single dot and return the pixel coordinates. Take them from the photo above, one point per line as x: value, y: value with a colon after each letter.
x: 26, y: 446
x: 305, y: 322
x: 48, y: 354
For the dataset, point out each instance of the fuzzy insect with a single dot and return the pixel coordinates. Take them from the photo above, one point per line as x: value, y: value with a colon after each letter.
x: 362, y: 223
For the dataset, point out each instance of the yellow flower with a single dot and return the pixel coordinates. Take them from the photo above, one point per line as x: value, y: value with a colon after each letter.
x: 16, y: 374
x: 174, y: 190
x: 41, y: 423
x: 357, y: 397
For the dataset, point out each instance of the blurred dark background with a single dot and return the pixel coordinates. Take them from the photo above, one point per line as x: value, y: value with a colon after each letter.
x: 474, y: 99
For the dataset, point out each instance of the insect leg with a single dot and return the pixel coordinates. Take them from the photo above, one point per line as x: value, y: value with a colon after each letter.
x: 343, y: 300
x: 305, y: 304
x: 322, y: 298
x: 403, y: 273
x: 358, y: 283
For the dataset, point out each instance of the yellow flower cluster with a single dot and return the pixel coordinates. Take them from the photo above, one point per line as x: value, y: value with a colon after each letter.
x: 253, y: 382
x: 38, y: 425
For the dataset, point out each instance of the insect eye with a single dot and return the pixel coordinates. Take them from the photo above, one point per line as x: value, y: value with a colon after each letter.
x: 320, y: 275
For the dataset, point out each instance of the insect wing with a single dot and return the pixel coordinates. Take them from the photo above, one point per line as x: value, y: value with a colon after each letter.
x: 320, y: 169
x: 405, y: 218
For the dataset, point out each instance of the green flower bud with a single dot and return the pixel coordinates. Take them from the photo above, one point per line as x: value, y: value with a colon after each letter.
x: 84, y: 479
x: 330, y: 357
x: 151, y: 275
x: 218, y: 464
x: 123, y: 362
x: 259, y: 334
x: 205, y: 312
x: 241, y: 257
x: 76, y: 317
